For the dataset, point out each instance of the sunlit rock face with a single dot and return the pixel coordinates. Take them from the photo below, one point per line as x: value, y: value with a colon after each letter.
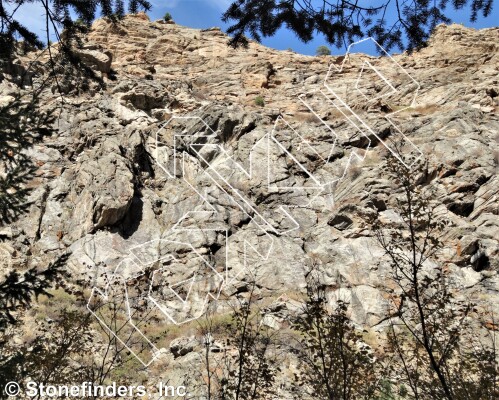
x: 190, y: 209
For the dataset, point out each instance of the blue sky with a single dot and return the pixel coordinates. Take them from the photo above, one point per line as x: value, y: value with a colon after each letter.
x: 207, y: 13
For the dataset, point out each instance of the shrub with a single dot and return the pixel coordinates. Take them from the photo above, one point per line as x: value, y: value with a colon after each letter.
x: 354, y: 171
x: 323, y: 51
x: 80, y: 23
x: 331, y: 348
x: 167, y: 17
x: 259, y: 101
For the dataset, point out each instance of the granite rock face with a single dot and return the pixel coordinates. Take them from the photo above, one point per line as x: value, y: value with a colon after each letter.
x: 232, y: 188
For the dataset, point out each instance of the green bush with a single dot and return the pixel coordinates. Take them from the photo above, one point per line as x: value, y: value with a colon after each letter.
x: 403, y: 392
x: 259, y: 101
x: 167, y: 17
x: 323, y: 51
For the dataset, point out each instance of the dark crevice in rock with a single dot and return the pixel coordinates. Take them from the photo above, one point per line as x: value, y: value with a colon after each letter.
x: 462, y: 208
x: 491, y: 92
x: 379, y: 204
x: 142, y: 162
x: 214, y: 247
x: 227, y: 128
x: 133, y: 217
x: 246, y: 129
x: 470, y: 187
x: 482, y: 179
x: 449, y: 172
x: 239, y: 225
x: 480, y: 261
x: 340, y: 222
x: 43, y: 205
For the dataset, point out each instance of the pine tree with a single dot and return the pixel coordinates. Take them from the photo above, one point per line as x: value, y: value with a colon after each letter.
x: 343, y: 22
x: 23, y: 123
x: 59, y: 20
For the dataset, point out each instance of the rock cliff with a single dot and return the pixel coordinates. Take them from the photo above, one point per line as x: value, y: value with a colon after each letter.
x: 176, y: 170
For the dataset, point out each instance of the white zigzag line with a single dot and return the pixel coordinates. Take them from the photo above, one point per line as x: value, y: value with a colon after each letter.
x: 249, y: 174
x: 330, y: 89
x: 105, y: 296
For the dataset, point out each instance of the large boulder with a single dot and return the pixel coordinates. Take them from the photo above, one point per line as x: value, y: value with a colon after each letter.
x: 96, y: 58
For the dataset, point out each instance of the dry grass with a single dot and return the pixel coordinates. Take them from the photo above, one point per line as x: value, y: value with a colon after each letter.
x: 354, y: 171
x: 163, y: 333
x: 373, y: 158
x: 307, y: 117
x: 50, y: 307
x: 424, y: 109
x: 294, y: 295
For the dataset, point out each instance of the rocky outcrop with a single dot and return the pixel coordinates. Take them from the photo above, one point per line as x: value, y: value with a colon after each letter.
x: 95, y: 59
x: 231, y: 189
